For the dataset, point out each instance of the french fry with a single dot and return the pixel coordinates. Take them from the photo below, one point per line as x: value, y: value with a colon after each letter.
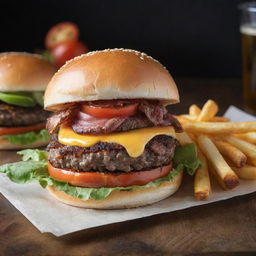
x: 227, y: 148
x: 247, y: 148
x: 219, y: 127
x: 219, y: 119
x: 189, y: 117
x: 192, y: 136
x: 223, y: 170
x: 250, y: 137
x: 214, y: 119
x: 194, y: 110
x: 202, y: 185
x: 182, y: 119
x: 214, y: 174
x: 183, y: 138
x: 232, y: 153
x: 208, y: 111
x: 246, y: 172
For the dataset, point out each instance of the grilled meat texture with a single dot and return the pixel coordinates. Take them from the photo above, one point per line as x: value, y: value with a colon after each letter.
x: 154, y: 111
x: 21, y: 116
x: 111, y: 157
x: 87, y: 124
x: 150, y: 113
x: 60, y: 117
x: 158, y: 115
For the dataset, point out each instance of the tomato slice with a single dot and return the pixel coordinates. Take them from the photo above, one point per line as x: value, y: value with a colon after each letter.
x: 101, y: 112
x: 61, y: 33
x: 66, y: 51
x: 21, y: 129
x: 98, y: 179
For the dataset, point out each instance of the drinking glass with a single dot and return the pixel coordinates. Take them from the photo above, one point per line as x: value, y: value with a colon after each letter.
x: 248, y: 34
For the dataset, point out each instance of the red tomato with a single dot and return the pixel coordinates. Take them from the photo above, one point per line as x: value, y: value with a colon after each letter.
x: 61, y: 33
x: 67, y: 51
x: 18, y: 130
x: 98, y: 179
x: 101, y: 112
x: 62, y: 53
x: 80, y: 48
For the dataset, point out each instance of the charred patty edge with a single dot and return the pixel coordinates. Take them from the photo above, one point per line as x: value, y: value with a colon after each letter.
x: 112, y: 157
x: 11, y: 116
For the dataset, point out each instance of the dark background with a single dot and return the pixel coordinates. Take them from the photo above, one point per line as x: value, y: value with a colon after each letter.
x: 193, y: 38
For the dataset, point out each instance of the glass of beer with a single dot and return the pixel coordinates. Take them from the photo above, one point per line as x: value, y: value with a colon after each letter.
x: 248, y: 33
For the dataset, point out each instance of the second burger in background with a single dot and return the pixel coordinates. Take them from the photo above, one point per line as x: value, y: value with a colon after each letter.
x: 23, y: 79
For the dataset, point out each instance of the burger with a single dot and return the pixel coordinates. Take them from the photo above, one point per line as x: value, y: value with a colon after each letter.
x: 111, y: 128
x: 113, y: 144
x: 23, y: 79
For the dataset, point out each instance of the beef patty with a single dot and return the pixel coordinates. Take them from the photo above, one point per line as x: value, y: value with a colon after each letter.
x: 111, y: 156
x: 21, y: 116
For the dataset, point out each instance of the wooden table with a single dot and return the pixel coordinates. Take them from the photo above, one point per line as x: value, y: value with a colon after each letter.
x: 222, y: 228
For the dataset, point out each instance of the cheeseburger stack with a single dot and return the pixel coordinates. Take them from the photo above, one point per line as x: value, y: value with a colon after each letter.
x: 112, y: 129
x: 23, y: 79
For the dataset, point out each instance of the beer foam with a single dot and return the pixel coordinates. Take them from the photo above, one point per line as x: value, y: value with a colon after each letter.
x: 248, y: 30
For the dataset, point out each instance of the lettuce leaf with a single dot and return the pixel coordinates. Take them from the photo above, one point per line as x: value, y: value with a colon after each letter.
x: 18, y: 98
x: 47, y: 56
x: 24, y: 99
x: 39, y: 98
x: 33, y: 154
x: 28, y: 138
x: 25, y: 171
x: 185, y: 158
x: 34, y: 167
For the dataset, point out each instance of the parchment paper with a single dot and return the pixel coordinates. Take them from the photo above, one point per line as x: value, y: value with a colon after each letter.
x: 49, y: 215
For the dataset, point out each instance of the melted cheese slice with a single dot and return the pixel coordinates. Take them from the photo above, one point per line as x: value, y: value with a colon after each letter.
x: 133, y: 141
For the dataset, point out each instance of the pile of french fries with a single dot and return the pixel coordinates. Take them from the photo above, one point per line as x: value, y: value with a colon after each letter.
x: 227, y: 150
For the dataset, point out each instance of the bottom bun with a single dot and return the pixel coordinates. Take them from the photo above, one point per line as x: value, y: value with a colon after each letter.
x: 7, y: 145
x: 122, y: 199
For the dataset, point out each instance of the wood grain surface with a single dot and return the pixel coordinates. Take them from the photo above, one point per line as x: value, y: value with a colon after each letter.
x: 222, y: 228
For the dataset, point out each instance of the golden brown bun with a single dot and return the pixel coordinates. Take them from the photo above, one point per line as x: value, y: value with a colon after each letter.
x: 110, y: 74
x: 24, y: 72
x: 6, y: 145
x: 122, y: 199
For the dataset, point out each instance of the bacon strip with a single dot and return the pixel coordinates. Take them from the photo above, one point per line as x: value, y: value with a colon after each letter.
x: 88, y: 124
x: 158, y: 115
x: 154, y: 111
x: 151, y: 113
x: 60, y: 117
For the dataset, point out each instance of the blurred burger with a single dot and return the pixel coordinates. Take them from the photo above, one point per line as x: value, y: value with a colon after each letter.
x: 111, y: 132
x: 23, y: 79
